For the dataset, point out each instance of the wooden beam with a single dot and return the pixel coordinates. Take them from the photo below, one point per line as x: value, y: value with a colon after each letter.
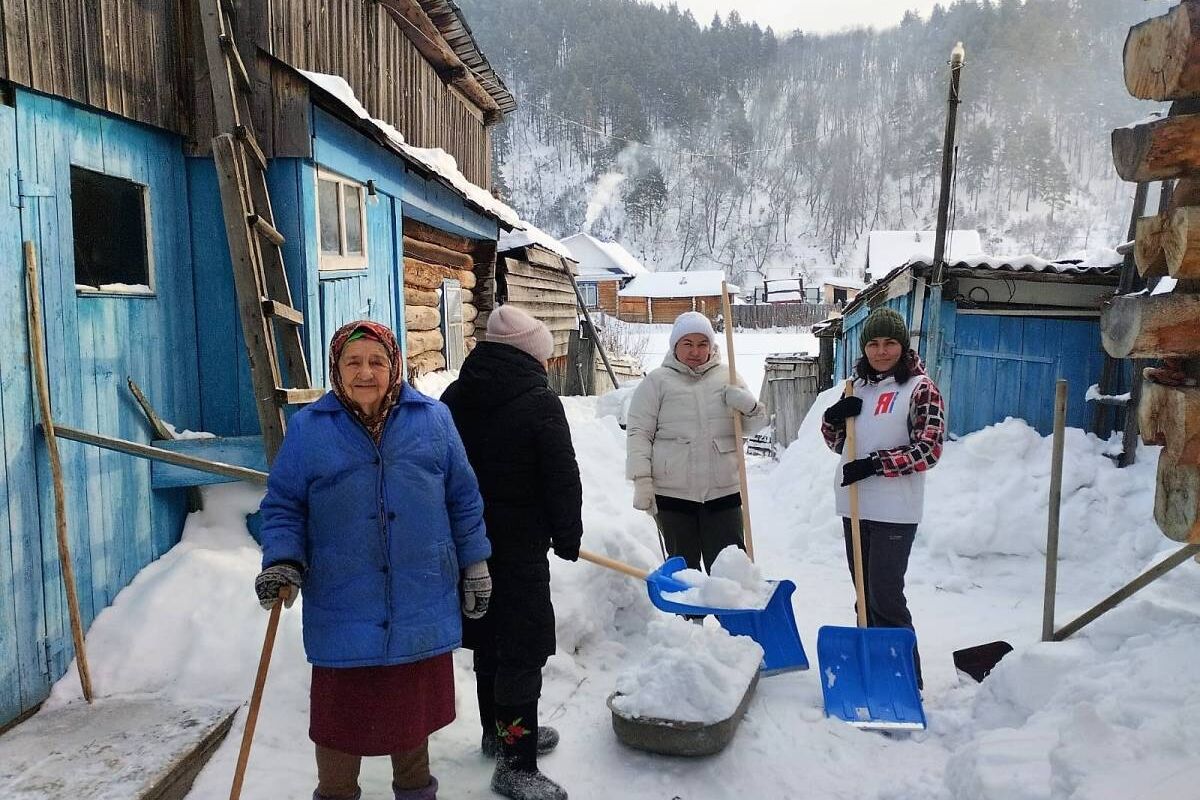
x: 1148, y: 251
x: 159, y: 454
x: 415, y: 229
x: 1162, y: 55
x: 1163, y: 326
x: 1159, y: 149
x: 1181, y: 243
x: 425, y: 36
x: 1177, y: 500
x: 421, y: 297
x: 424, y: 341
x: 422, y: 275
x: 421, y: 318
x: 1170, y: 416
x: 429, y: 361
x: 436, y: 254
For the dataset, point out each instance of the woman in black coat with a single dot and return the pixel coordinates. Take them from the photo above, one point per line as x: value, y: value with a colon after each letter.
x: 518, y: 442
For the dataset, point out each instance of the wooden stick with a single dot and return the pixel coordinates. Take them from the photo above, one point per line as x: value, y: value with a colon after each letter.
x: 60, y: 501
x: 613, y: 564
x: 855, y: 526
x: 260, y: 681
x: 739, y: 445
x: 1056, y: 466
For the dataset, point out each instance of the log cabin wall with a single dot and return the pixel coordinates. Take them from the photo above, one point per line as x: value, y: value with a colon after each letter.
x: 633, y: 309
x: 432, y: 256
x: 606, y: 296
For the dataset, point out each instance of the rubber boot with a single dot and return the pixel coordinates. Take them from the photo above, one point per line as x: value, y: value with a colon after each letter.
x: 319, y: 796
x: 517, y: 775
x: 485, y: 692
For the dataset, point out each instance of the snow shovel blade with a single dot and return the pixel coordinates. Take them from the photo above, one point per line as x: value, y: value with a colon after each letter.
x: 773, y: 627
x: 868, y: 677
x: 980, y: 660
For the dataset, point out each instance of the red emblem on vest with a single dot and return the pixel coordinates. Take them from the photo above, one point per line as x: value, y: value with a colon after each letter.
x: 885, y: 403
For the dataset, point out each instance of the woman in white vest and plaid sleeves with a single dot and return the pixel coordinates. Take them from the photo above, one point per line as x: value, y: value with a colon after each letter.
x: 900, y: 427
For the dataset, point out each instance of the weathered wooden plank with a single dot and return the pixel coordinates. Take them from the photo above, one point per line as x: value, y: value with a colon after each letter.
x: 519, y: 292
x: 421, y: 318
x: 1181, y: 243
x: 422, y: 297
x: 236, y: 451
x: 517, y: 267
x: 420, y: 275
x: 436, y: 254
x: 1148, y: 253
x: 414, y: 229
x: 546, y: 284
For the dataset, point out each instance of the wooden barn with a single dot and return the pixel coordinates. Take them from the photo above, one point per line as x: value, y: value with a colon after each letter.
x: 1009, y: 329
x: 604, y: 268
x: 660, y: 297
x: 535, y: 275
x: 106, y: 118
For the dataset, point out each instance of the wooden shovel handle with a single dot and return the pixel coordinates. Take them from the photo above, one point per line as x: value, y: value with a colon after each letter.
x: 613, y: 564
x: 855, y: 526
x: 739, y: 445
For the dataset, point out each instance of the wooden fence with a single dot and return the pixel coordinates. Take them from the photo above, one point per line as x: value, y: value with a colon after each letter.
x: 781, y: 315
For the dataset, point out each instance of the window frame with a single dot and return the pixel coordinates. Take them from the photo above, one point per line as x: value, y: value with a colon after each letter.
x: 148, y: 236
x: 343, y: 261
x: 594, y: 301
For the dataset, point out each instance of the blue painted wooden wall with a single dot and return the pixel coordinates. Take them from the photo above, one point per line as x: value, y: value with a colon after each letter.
x: 992, y: 366
x: 116, y: 523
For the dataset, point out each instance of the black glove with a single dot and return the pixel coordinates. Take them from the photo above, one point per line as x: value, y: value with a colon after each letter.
x: 843, y: 409
x: 567, y: 552
x: 857, y: 470
x: 272, y: 580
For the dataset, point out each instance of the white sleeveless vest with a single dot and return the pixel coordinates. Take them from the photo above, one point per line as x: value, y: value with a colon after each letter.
x: 882, y: 425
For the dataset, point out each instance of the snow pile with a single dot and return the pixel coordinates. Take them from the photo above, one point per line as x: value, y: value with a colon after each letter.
x: 688, y: 672
x: 698, y: 283
x: 616, y: 403
x: 433, y: 384
x: 526, y: 234
x: 735, y: 582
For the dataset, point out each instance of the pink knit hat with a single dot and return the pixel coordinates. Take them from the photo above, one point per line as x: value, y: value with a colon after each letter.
x: 512, y: 326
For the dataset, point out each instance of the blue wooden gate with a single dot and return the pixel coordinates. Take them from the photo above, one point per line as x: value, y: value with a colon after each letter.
x: 1006, y: 366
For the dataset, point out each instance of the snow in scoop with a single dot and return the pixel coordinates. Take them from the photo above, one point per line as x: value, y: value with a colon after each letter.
x: 688, y: 672
x: 735, y: 582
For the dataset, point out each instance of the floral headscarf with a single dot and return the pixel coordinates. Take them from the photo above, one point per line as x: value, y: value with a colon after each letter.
x: 360, y: 329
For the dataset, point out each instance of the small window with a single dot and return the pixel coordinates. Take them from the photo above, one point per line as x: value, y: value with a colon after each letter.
x: 341, y: 222
x: 590, y: 295
x: 109, y: 218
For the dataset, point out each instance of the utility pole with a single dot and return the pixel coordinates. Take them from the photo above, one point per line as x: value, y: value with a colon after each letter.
x: 934, y: 340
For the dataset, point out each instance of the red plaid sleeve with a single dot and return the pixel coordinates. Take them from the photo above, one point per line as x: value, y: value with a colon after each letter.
x: 927, y: 431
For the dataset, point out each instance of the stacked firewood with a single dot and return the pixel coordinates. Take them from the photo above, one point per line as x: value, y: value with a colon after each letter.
x: 432, y: 256
x: 1162, y: 62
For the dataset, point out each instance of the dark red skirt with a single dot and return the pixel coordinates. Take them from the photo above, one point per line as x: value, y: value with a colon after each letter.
x: 377, y: 711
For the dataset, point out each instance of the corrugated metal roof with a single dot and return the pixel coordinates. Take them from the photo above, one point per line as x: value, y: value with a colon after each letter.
x: 1026, y: 264
x: 450, y: 21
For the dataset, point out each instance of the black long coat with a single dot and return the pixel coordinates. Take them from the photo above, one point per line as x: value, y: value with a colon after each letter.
x: 518, y: 442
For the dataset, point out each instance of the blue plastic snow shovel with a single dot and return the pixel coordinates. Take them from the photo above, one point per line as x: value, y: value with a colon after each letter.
x: 773, y: 627
x: 868, y: 675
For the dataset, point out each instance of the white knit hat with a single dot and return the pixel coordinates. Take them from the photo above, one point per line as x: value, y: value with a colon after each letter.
x: 691, y: 322
x: 512, y: 326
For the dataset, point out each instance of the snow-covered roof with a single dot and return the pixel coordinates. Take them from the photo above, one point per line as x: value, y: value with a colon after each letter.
x: 599, y: 259
x: 888, y: 249
x: 434, y: 159
x: 531, y: 234
x: 1031, y: 263
x: 699, y: 283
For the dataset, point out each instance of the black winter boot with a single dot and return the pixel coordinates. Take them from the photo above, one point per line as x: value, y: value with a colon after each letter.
x: 517, y: 775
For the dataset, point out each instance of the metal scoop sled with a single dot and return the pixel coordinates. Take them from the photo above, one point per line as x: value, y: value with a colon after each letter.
x: 773, y: 627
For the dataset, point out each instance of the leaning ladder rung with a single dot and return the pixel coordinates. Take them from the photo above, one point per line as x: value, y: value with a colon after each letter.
x: 265, y: 229
x: 282, y: 312
x: 235, y: 61
x: 246, y: 137
x: 298, y: 397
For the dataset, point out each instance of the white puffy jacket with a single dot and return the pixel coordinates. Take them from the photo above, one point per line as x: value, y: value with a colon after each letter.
x: 679, y: 431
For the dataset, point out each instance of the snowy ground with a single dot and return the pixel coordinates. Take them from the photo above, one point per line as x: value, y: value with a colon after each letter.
x: 751, y: 347
x: 1108, y: 714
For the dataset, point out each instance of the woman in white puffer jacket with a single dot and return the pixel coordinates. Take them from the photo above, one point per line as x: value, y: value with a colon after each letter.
x: 681, y: 454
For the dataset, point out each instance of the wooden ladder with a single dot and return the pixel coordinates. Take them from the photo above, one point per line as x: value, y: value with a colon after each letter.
x: 270, y: 323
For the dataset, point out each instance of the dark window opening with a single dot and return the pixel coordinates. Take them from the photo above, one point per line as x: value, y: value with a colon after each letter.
x: 839, y: 297
x: 109, y: 219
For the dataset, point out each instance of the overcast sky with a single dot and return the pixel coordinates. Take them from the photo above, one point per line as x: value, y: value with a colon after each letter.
x: 817, y: 16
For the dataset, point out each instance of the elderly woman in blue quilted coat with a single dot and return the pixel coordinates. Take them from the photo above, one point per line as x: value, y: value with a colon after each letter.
x: 373, y: 511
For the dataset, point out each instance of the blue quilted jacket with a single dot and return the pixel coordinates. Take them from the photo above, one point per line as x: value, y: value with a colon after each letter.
x: 381, y: 532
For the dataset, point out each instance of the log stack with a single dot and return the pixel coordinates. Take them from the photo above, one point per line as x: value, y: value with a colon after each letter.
x: 1162, y: 62
x: 432, y: 256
